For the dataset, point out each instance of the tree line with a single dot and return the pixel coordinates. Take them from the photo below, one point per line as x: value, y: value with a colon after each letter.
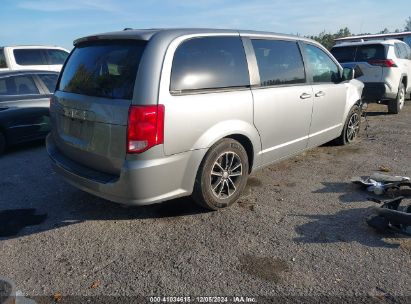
x: 327, y: 39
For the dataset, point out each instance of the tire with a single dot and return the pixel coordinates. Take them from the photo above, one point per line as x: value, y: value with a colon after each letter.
x: 2, y: 143
x: 214, y: 187
x: 395, y: 106
x: 351, y: 127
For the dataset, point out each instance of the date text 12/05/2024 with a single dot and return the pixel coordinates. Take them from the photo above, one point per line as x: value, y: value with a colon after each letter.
x: 234, y: 299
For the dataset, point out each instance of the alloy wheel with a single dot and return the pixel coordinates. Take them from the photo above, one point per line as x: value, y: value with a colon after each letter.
x: 353, y: 127
x: 401, y: 100
x: 226, y: 175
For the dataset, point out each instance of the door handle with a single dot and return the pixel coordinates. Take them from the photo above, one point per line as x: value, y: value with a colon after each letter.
x: 319, y: 94
x: 305, y: 96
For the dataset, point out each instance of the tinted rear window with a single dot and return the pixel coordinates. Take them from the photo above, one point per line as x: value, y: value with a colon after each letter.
x: 279, y: 62
x: 3, y: 63
x: 103, y: 69
x: 29, y: 57
x: 359, y: 53
x: 209, y: 63
x: 49, y: 80
x: 18, y: 85
x: 56, y: 56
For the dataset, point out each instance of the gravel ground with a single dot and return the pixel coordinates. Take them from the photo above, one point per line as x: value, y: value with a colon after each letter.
x: 299, y: 230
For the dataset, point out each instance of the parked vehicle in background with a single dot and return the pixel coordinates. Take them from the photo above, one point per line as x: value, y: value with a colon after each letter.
x: 403, y: 36
x: 386, y: 65
x: 143, y: 116
x: 24, y: 105
x: 32, y: 57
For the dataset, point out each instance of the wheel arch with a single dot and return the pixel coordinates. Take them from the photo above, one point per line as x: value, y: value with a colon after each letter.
x: 404, y: 80
x: 248, y: 146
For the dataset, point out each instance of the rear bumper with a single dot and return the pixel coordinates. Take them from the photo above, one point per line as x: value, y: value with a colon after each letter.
x: 377, y: 91
x: 141, y: 181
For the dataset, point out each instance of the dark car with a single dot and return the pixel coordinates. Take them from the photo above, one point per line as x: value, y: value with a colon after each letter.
x: 24, y: 105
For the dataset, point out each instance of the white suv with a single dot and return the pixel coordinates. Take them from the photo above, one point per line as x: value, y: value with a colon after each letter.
x: 50, y: 58
x: 386, y: 65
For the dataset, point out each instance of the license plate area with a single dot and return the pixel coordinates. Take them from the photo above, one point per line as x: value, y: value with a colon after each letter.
x: 76, y: 128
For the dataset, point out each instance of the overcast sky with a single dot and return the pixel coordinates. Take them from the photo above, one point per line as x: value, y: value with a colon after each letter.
x: 59, y: 22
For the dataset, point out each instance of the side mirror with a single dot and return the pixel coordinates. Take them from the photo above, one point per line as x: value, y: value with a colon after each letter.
x: 351, y: 73
x: 348, y: 73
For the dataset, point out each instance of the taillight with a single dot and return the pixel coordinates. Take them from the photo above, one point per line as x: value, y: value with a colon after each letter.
x: 145, y: 128
x: 387, y: 63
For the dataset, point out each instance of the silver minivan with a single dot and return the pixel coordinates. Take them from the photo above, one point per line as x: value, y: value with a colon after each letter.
x: 143, y: 116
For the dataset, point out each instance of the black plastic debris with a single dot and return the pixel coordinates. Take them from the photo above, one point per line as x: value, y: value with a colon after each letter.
x: 391, y: 214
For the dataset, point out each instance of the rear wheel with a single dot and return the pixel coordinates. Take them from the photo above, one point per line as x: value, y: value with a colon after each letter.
x: 222, y: 175
x: 2, y: 143
x: 396, y: 105
x: 351, y: 127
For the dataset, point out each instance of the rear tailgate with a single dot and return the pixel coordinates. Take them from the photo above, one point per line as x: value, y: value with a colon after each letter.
x: 366, y: 56
x: 89, y: 110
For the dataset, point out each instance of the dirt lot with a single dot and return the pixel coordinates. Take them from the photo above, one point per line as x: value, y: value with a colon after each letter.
x: 299, y: 230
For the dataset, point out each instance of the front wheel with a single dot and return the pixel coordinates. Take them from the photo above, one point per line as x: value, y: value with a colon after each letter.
x: 222, y: 175
x: 351, y: 127
x: 396, y: 105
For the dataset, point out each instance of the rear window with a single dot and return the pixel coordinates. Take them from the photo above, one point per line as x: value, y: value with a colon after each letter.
x: 18, y: 85
x: 103, y: 69
x: 49, y: 80
x: 3, y: 63
x: 359, y: 53
x: 29, y: 57
x: 56, y: 56
x: 209, y: 63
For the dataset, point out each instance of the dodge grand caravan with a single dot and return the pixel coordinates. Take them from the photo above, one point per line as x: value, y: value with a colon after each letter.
x: 143, y: 116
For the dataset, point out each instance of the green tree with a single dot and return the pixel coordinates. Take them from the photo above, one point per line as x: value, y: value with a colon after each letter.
x: 327, y: 39
x: 408, y: 24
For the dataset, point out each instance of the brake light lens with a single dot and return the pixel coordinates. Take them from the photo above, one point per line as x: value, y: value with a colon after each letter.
x: 145, y: 128
x: 387, y: 63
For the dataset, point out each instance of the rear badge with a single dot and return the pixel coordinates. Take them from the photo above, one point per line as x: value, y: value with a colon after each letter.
x: 76, y: 114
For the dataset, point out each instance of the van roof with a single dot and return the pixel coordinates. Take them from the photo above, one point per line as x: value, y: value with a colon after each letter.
x: 171, y: 33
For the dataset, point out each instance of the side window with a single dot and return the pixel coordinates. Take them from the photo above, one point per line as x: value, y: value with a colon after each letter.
x: 3, y: 86
x: 408, y: 51
x: 279, y: 62
x: 209, y: 63
x: 323, y: 68
x: 29, y: 57
x: 49, y: 80
x: 56, y: 56
x: 25, y: 85
x: 404, y: 51
x: 397, y: 50
x: 3, y: 63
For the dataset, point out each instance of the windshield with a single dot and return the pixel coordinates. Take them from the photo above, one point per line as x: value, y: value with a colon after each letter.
x: 103, y: 68
x: 359, y: 53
